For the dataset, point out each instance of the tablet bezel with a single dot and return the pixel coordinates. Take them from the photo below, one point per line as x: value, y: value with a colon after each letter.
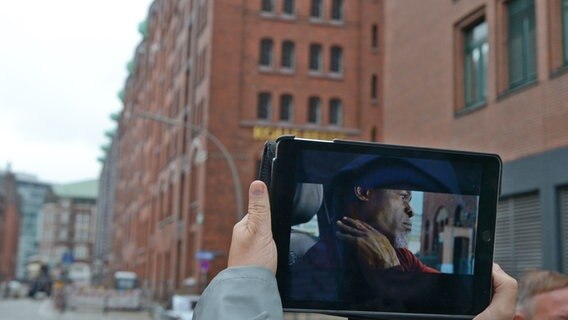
x: 281, y: 191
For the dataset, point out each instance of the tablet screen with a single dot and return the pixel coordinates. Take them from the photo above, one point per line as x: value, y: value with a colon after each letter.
x: 375, y: 232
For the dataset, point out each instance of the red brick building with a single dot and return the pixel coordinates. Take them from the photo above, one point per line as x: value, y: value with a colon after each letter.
x: 244, y: 71
x: 9, y: 226
x: 490, y: 75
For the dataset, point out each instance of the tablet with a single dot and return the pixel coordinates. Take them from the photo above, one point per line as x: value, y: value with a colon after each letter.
x: 367, y: 230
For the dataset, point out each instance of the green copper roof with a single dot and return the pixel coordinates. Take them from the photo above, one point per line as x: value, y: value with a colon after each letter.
x: 131, y: 66
x: 143, y: 28
x: 110, y: 133
x: 82, y: 189
x: 115, y: 116
x: 121, y: 95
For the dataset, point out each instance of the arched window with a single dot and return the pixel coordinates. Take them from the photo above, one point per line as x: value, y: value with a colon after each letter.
x: 314, y: 110
x: 265, y: 57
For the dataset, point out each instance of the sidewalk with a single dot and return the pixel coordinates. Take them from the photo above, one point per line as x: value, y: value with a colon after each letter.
x: 47, y: 311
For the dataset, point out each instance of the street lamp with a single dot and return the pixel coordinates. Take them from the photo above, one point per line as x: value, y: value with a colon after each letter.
x: 217, y: 143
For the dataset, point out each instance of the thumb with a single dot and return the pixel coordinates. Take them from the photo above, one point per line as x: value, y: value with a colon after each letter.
x: 258, y: 218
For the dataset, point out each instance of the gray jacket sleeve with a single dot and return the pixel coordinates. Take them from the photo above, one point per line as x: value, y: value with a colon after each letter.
x: 239, y: 293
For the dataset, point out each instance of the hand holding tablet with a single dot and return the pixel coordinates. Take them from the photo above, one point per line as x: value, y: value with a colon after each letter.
x: 367, y: 230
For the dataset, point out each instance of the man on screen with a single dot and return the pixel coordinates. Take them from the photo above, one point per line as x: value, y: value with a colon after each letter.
x: 377, y: 224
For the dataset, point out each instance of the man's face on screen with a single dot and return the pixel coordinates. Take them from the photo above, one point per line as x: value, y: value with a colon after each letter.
x: 389, y: 212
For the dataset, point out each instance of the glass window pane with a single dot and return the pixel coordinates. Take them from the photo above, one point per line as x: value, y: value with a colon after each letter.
x: 289, y: 7
x: 374, y: 36
x: 314, y: 110
x: 476, y: 49
x: 336, y: 60
x: 288, y: 54
x: 267, y: 5
x: 337, y: 10
x: 286, y: 107
x: 316, y: 9
x: 264, y: 105
x: 266, y: 52
x: 315, y: 57
x: 335, y: 112
x: 522, y: 41
x: 374, y: 86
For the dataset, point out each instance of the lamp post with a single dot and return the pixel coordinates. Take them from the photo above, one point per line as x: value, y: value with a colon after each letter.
x: 217, y: 143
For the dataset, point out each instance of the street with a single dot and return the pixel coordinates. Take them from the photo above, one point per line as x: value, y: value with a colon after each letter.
x: 24, y: 309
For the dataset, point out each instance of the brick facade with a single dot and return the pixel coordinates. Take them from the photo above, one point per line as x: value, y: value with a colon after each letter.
x: 199, y: 64
x: 9, y: 226
x: 422, y: 80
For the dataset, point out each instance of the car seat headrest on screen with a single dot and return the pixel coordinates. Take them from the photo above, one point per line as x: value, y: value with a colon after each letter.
x: 307, y: 202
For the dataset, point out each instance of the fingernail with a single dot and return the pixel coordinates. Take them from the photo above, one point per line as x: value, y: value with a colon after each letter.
x: 256, y: 189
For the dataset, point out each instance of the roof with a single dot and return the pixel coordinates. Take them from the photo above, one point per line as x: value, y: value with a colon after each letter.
x: 81, y: 189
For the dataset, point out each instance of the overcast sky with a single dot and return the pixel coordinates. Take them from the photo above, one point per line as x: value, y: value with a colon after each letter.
x: 62, y: 63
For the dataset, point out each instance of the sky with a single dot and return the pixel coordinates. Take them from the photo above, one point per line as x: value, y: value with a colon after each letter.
x: 62, y: 64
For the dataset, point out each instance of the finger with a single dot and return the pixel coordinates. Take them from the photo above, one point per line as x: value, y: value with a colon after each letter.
x: 365, y: 225
x: 504, y: 285
x: 346, y: 237
x: 348, y: 229
x: 359, y: 225
x: 258, y: 216
x: 502, y: 304
x: 352, y: 222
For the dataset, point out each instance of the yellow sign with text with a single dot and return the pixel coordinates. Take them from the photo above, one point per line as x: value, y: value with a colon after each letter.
x: 271, y: 133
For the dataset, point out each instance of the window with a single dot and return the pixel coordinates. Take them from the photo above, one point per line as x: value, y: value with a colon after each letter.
x: 373, y: 135
x: 289, y: 7
x: 267, y: 6
x: 374, y: 87
x: 287, y: 60
x: 266, y: 52
x: 475, y: 64
x: 62, y: 235
x: 337, y: 10
x: 202, y: 15
x: 565, y: 29
x: 316, y: 10
x: 64, y: 217
x: 82, y: 219
x: 336, y: 61
x: 315, y: 57
x: 521, y: 42
x: 81, y: 235
x: 286, y: 107
x: 81, y: 252
x: 335, y: 112
x: 314, y: 112
x: 374, y: 36
x: 518, y: 236
x: 563, y: 197
x: 264, y: 106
